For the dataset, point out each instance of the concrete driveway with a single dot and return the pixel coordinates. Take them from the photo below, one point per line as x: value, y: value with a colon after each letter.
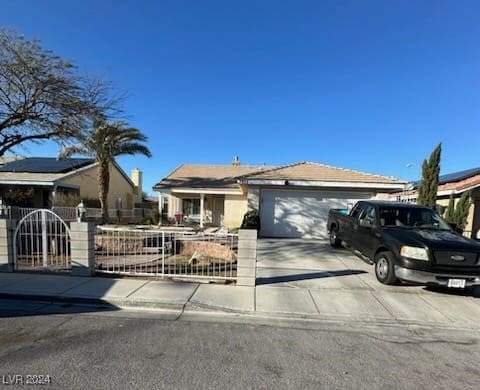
x: 310, y: 277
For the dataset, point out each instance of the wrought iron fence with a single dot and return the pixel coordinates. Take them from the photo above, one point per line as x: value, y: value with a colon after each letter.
x: 164, y: 253
x: 70, y: 213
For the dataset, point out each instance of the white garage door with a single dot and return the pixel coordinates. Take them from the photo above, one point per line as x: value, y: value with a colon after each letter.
x: 299, y: 213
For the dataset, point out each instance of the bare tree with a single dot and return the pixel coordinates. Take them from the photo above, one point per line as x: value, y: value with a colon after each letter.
x: 43, y: 96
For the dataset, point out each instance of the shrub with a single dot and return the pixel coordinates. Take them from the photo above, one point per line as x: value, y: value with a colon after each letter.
x: 65, y: 199
x: 68, y: 199
x: 154, y: 217
x: 92, y: 203
x: 251, y: 220
x: 458, y: 214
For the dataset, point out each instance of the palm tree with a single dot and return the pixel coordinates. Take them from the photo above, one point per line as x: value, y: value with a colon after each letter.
x: 103, y: 143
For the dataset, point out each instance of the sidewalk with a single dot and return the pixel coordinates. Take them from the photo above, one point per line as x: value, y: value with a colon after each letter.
x: 420, y: 307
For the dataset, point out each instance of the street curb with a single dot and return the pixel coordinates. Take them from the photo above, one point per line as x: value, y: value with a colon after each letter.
x: 196, y: 308
x: 53, y: 298
x: 210, y: 308
x: 119, y: 303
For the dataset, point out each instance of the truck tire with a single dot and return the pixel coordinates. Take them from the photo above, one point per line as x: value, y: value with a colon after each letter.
x: 335, y: 242
x: 385, y: 269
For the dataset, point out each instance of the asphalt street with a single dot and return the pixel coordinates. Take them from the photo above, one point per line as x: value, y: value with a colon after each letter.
x: 93, y: 347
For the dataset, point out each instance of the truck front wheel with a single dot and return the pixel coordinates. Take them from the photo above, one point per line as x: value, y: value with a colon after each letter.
x: 384, y: 268
x: 335, y: 242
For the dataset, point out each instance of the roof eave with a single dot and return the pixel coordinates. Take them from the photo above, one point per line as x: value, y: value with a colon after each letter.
x: 202, y: 190
x: 325, y: 183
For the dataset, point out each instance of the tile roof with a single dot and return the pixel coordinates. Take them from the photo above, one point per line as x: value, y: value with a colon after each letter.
x: 206, y: 176
x: 319, y: 172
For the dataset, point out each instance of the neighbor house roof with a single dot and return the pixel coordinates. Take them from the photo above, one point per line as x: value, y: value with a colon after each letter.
x: 45, y: 165
x: 206, y: 176
x: 43, y: 171
x: 458, y: 176
x: 46, y: 171
x: 314, y: 172
x: 459, y: 181
x: 452, y: 183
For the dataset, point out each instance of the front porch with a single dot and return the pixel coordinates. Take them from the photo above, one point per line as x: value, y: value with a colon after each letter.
x: 201, y: 209
x: 39, y: 196
x: 205, y: 209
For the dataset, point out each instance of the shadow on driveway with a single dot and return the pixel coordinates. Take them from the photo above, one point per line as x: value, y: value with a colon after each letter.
x: 308, y: 276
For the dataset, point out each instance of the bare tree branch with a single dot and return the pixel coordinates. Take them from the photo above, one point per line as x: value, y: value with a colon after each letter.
x: 43, y: 96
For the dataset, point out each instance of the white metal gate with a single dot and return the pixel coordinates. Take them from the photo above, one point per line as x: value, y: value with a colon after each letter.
x: 42, y: 242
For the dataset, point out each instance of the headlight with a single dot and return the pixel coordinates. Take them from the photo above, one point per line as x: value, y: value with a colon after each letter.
x: 414, y: 252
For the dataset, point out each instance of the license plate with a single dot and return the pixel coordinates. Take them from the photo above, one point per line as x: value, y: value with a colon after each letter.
x: 456, y: 283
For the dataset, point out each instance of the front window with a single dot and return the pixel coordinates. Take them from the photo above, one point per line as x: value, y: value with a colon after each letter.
x: 191, y: 206
x: 411, y: 218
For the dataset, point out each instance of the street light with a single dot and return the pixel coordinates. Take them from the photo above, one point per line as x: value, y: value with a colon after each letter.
x: 410, y: 184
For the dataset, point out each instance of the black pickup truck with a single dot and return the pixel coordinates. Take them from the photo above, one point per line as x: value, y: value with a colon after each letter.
x: 407, y: 242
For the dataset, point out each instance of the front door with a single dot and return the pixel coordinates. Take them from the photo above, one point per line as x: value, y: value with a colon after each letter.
x: 218, y: 210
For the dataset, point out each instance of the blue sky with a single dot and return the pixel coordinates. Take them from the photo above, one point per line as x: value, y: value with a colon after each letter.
x: 368, y: 85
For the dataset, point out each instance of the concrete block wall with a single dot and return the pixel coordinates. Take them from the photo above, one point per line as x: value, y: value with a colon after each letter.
x: 82, y: 248
x: 247, y: 257
x: 6, y: 245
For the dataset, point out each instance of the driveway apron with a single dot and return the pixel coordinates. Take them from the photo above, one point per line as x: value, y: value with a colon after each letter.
x: 310, y: 277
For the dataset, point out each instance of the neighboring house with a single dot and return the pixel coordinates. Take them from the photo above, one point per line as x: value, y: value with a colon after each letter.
x: 46, y: 179
x: 455, y: 184
x: 293, y: 200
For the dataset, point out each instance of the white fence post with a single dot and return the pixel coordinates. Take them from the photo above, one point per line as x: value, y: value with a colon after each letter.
x: 82, y: 248
x: 7, y: 227
x: 247, y: 257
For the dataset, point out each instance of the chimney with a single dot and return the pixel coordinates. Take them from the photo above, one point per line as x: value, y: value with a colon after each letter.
x: 136, y: 176
x: 236, y: 161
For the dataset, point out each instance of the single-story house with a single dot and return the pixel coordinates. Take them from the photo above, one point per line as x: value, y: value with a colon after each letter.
x: 47, y: 181
x: 455, y: 184
x: 292, y: 200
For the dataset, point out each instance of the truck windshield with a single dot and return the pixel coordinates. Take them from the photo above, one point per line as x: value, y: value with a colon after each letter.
x: 411, y: 218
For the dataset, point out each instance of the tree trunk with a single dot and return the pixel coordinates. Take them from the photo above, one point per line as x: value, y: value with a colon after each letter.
x: 104, y: 184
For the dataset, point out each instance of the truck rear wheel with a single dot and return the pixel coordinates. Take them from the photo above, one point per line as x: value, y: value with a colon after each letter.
x: 335, y: 242
x: 385, y: 269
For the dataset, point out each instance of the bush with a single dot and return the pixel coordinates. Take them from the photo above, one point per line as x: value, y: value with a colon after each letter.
x: 154, y: 217
x: 65, y: 199
x: 92, y: 203
x: 20, y: 197
x: 251, y: 220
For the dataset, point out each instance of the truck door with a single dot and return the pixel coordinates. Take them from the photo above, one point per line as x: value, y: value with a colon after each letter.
x: 365, y: 231
x: 348, y: 226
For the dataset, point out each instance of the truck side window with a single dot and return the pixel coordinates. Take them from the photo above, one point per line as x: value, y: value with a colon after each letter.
x: 369, y: 214
x: 356, y: 211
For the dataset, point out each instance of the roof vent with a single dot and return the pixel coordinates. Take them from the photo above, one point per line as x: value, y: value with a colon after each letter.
x: 236, y: 161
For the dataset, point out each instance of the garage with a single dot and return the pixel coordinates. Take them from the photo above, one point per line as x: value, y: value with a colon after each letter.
x: 293, y: 200
x: 301, y: 213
